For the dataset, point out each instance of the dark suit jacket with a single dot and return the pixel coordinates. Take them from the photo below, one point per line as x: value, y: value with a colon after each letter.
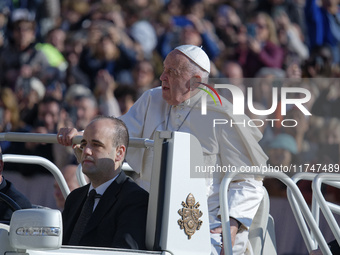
x: 119, y: 220
x: 8, y: 189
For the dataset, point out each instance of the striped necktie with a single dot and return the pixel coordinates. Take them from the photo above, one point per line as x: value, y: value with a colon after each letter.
x: 84, y: 217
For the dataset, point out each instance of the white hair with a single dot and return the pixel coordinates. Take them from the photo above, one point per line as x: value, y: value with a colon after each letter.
x: 194, y: 69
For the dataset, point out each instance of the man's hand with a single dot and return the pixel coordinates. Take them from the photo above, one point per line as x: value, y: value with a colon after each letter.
x: 233, y: 231
x: 65, y: 136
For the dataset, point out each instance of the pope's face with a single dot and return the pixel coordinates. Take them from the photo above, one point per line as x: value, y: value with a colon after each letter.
x: 99, y: 155
x: 176, y: 78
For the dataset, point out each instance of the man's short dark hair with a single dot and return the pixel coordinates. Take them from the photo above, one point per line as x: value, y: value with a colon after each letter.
x: 121, y: 133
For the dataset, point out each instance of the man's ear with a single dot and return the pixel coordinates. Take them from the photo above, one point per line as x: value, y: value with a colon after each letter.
x: 120, y: 153
x: 195, y: 82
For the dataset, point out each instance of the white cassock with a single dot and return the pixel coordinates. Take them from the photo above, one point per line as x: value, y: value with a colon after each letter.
x: 222, y: 145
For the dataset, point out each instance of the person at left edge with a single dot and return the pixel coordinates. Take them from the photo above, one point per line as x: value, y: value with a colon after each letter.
x: 119, y: 215
x: 7, y: 188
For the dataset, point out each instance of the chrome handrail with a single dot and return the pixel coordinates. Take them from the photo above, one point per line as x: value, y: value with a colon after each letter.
x: 295, y: 191
x: 52, y: 138
x: 316, y: 184
x: 52, y: 168
x: 315, y: 204
x: 307, y: 237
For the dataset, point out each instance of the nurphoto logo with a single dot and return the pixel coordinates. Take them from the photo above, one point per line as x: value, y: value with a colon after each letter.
x: 280, y: 97
x: 239, y: 99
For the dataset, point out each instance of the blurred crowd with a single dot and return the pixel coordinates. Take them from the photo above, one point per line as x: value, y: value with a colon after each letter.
x: 64, y: 62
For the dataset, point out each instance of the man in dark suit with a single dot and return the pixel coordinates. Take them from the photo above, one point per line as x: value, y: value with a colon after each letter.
x: 120, y: 206
x: 7, y: 188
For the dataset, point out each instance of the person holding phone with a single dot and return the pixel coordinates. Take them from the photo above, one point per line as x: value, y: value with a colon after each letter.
x: 260, y: 46
x: 251, y: 30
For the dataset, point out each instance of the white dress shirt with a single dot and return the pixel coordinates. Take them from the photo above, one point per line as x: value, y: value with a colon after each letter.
x: 101, y: 189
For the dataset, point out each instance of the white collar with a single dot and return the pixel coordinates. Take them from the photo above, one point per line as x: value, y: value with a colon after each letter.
x: 192, y: 100
x: 101, y: 188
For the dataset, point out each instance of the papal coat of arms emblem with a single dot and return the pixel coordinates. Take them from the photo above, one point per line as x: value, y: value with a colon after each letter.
x: 190, y: 216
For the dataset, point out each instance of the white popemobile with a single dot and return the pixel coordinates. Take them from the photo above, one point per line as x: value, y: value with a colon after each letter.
x: 177, y: 221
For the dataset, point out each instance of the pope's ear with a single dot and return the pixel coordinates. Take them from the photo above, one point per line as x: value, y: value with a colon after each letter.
x: 195, y: 82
